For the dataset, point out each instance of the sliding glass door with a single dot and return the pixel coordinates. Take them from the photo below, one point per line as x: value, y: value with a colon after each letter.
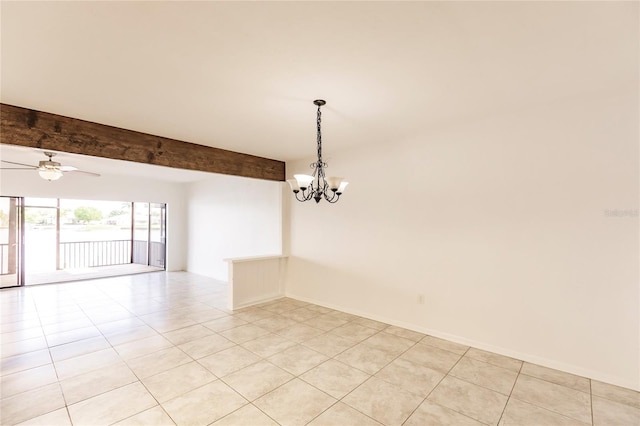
x: 41, y: 237
x: 157, y: 234
x: 149, y: 234
x: 11, y: 254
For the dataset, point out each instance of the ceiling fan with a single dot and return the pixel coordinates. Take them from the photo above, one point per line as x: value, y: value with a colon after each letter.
x: 47, y: 169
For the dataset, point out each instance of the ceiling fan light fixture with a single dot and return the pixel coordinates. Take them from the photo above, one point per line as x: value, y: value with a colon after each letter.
x: 47, y: 169
x: 50, y: 174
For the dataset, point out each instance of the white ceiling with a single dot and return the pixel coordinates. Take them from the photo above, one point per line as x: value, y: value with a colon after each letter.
x: 243, y: 75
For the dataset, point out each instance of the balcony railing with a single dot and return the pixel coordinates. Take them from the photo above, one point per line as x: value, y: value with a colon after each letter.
x: 88, y: 254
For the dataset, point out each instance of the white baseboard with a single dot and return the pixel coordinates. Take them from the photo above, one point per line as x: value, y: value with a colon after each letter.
x: 254, y: 302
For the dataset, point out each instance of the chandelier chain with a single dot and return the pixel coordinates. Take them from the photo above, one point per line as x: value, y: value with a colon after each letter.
x: 318, y: 121
x: 319, y: 164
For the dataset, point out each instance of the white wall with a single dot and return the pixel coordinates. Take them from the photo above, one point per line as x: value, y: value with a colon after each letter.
x: 113, y: 188
x: 502, y: 225
x: 231, y: 216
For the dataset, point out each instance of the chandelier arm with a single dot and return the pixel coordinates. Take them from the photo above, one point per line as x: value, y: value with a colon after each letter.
x: 304, y: 197
x: 300, y: 199
x: 306, y: 194
x: 334, y: 198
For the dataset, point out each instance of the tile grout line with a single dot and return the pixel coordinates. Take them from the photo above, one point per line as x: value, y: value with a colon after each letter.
x: 438, y: 384
x: 462, y: 379
x: 121, y: 359
x: 64, y: 399
x: 251, y: 402
x: 52, y: 364
x: 294, y: 376
x: 337, y: 400
x: 504, y: 409
x: 374, y: 374
x: 140, y: 380
x: 145, y: 386
x: 59, y: 380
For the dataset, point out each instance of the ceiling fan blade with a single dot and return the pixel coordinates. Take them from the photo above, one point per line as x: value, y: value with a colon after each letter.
x: 18, y: 168
x: 20, y: 164
x: 68, y: 168
x: 82, y: 171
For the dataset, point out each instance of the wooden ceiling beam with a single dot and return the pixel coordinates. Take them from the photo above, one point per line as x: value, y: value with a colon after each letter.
x: 37, y: 129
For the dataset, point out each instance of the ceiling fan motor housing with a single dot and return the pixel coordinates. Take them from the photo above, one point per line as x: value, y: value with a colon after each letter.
x: 48, y: 164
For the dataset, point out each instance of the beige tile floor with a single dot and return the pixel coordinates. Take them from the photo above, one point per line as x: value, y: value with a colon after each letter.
x: 162, y: 349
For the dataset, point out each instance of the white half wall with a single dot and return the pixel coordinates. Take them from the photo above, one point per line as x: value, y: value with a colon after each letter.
x: 111, y: 188
x: 230, y: 216
x: 519, y: 233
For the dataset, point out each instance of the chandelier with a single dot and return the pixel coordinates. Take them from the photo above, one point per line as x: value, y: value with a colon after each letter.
x: 316, y: 186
